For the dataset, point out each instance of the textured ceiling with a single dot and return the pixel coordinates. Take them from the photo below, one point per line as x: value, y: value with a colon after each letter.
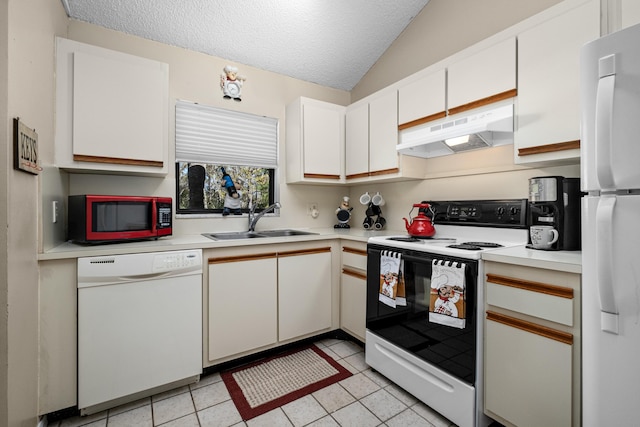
x: 329, y: 42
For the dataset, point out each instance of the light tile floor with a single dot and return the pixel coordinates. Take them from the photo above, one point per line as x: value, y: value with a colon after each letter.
x: 362, y: 400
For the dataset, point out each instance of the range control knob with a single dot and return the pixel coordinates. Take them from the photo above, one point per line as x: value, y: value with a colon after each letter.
x: 500, y: 210
x: 514, y: 210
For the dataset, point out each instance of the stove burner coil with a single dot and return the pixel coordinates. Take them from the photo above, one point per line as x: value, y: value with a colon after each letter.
x: 404, y: 239
x: 475, y: 246
x: 484, y: 244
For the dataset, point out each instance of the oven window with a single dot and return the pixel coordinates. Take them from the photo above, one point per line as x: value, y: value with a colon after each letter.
x: 121, y: 216
x: 451, y: 349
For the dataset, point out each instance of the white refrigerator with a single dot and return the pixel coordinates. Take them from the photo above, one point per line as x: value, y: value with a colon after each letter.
x: 610, y: 174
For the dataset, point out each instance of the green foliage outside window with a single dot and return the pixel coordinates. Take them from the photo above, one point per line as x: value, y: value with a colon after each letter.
x: 205, y: 194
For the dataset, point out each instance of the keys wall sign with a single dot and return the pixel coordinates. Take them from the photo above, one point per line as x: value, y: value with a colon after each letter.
x: 25, y: 148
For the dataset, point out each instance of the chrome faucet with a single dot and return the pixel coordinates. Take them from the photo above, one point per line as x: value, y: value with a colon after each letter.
x: 253, y: 217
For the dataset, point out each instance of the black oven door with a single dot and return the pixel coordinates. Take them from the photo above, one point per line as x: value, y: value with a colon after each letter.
x: 452, y: 349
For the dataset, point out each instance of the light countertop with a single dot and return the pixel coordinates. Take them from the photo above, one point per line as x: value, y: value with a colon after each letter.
x: 568, y: 261
x: 198, y: 241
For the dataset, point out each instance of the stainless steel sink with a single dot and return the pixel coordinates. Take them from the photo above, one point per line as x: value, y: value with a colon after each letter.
x: 283, y: 233
x: 235, y: 235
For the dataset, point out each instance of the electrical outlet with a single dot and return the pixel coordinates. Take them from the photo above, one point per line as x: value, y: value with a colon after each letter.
x: 54, y: 211
x: 311, y: 208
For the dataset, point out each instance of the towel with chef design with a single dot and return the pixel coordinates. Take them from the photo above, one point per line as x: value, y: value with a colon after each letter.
x: 392, y: 292
x: 447, y: 303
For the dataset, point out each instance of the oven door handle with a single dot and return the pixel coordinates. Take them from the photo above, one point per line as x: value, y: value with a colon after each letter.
x: 419, y: 260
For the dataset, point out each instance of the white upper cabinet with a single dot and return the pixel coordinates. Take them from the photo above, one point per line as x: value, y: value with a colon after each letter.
x: 112, y: 111
x: 383, y: 133
x: 620, y: 14
x: 314, y: 142
x: 548, y: 103
x: 422, y: 100
x: 371, y: 140
x: 357, y: 141
x: 629, y: 13
x: 484, y: 77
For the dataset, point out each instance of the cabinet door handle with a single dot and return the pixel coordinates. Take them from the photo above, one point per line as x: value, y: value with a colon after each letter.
x: 527, y: 285
x: 353, y: 273
x: 354, y: 251
x: 534, y: 328
x: 304, y: 252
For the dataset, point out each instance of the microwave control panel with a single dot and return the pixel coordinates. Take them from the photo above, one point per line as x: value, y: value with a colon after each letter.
x: 164, y: 215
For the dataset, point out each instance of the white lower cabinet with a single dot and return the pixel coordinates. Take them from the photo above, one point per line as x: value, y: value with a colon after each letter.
x: 304, y: 292
x: 532, y: 346
x: 258, y: 300
x: 243, y: 302
x: 353, y: 290
x: 58, y: 345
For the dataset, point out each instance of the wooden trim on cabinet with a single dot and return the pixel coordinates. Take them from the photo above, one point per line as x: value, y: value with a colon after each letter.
x: 527, y: 285
x: 384, y: 172
x: 549, y: 148
x: 252, y: 257
x: 358, y: 175
x: 354, y: 273
x: 116, y: 160
x: 374, y: 173
x: 484, y: 101
x: 423, y: 120
x: 354, y: 251
x: 321, y: 176
x: 563, y: 337
x: 304, y: 252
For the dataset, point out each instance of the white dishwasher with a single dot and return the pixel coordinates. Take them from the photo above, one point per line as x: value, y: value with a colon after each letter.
x: 139, y: 325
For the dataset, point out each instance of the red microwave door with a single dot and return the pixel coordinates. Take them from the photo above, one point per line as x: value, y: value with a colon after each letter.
x: 120, y: 218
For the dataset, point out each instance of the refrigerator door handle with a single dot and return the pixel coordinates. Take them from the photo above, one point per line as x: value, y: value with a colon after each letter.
x: 604, y: 127
x: 604, y: 264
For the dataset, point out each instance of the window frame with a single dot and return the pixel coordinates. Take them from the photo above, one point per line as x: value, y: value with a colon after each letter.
x: 201, y: 128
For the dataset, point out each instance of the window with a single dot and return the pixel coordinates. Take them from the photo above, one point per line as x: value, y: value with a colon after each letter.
x: 217, y: 149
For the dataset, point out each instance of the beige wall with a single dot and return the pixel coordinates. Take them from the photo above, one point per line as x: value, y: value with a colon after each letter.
x: 195, y: 77
x: 31, y: 25
x: 4, y: 211
x: 441, y: 29
x: 27, y: 84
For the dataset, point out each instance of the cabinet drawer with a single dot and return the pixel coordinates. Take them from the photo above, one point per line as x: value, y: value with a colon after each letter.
x: 528, y: 376
x: 354, y: 258
x: 549, y: 302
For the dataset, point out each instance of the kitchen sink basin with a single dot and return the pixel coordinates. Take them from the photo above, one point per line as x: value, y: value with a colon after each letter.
x: 235, y: 235
x: 283, y: 233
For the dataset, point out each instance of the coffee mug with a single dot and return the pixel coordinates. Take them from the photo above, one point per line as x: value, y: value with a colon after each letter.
x: 373, y: 210
x: 543, y: 236
x: 380, y: 222
x: 365, y: 198
x: 367, y: 223
x: 377, y: 199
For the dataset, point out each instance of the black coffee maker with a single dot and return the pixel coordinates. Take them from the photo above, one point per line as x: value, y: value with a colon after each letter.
x: 555, y: 201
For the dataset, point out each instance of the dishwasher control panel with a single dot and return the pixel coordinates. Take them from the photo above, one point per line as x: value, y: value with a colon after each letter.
x: 103, y: 270
x: 176, y: 261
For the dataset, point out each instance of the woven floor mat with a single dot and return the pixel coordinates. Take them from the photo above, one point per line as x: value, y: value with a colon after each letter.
x: 273, y: 382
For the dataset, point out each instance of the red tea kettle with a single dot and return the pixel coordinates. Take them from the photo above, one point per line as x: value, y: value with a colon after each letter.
x: 420, y: 226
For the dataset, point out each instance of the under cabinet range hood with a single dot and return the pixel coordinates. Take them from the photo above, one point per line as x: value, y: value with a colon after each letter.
x: 488, y: 128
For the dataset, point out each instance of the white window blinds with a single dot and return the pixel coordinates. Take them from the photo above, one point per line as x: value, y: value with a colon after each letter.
x: 207, y: 134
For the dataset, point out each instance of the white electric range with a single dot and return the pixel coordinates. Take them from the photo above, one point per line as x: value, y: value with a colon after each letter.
x: 438, y: 357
